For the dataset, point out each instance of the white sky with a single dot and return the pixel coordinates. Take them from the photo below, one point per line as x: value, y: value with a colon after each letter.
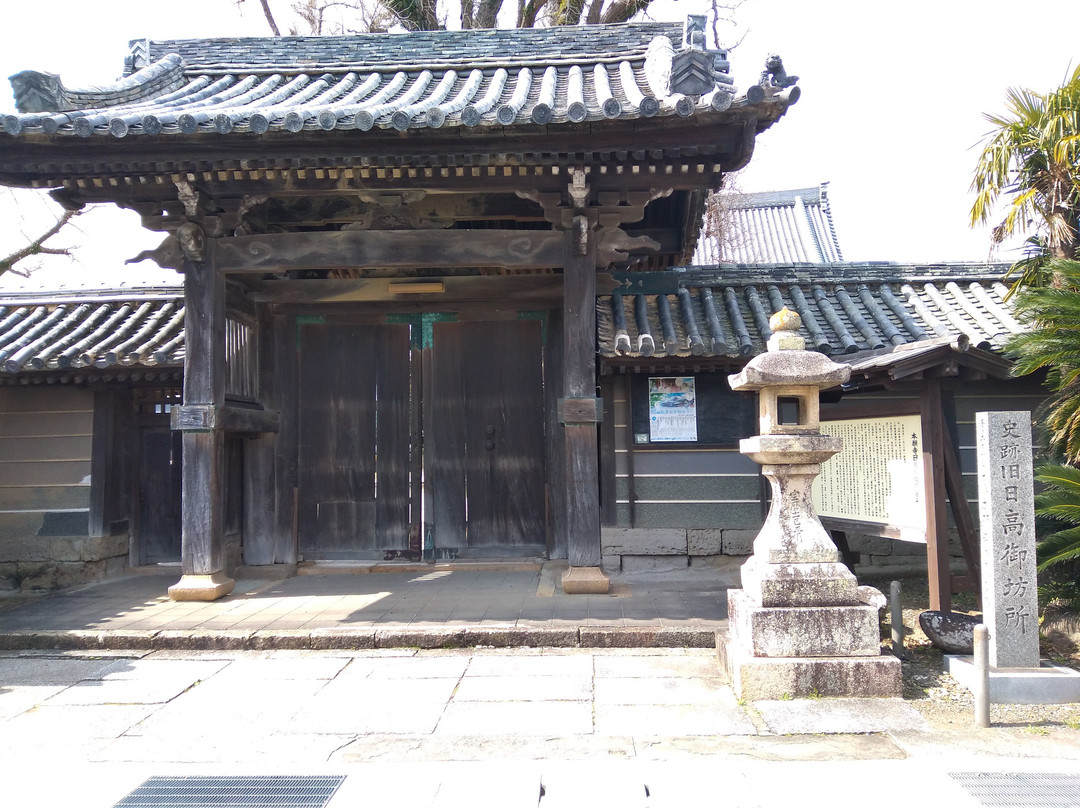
x: 891, y: 111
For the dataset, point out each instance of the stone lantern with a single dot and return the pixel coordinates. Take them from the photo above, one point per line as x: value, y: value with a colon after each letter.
x: 800, y: 625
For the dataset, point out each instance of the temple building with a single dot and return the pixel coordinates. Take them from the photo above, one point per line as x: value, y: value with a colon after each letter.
x: 431, y: 283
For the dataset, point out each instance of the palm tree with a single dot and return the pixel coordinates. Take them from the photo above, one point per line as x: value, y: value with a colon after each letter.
x: 1053, y: 343
x: 1060, y: 503
x: 1032, y: 156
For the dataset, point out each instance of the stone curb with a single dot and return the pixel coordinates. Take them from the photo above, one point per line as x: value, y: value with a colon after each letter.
x: 331, y: 639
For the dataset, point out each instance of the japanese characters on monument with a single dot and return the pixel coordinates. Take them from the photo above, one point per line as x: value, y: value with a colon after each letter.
x: 1007, y: 538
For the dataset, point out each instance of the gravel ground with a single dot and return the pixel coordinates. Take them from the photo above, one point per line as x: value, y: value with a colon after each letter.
x: 948, y: 705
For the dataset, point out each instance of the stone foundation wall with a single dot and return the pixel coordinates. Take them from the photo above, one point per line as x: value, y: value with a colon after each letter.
x: 54, y: 562
x: 666, y: 549
x: 670, y: 549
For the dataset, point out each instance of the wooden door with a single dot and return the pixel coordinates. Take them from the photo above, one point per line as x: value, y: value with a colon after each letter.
x: 159, y: 492
x: 484, y: 438
x: 353, y: 472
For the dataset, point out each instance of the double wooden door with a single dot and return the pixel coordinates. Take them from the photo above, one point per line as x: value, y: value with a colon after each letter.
x: 421, y: 438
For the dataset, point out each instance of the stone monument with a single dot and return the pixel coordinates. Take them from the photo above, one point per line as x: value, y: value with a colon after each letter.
x: 801, y: 625
x: 1007, y: 538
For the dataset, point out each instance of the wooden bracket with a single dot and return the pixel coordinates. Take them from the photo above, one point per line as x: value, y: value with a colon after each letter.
x: 215, y: 417
x: 575, y: 411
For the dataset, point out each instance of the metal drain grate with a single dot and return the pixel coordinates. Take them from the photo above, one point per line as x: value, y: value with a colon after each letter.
x: 279, y: 791
x: 1015, y: 790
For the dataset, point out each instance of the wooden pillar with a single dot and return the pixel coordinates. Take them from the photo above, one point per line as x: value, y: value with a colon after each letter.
x: 203, y: 521
x: 937, y: 519
x: 580, y: 411
x: 260, y: 527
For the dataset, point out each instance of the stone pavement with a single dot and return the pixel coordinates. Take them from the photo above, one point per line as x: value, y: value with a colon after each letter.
x: 326, y: 674
x: 538, y: 727
x: 426, y: 606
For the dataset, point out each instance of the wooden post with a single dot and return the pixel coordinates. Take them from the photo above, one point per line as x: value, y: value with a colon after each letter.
x: 203, y: 531
x: 107, y: 477
x: 259, y: 488
x: 937, y: 520
x: 579, y: 427
x: 283, y: 360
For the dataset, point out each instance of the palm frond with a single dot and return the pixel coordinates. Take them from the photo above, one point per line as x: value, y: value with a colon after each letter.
x: 1057, y: 548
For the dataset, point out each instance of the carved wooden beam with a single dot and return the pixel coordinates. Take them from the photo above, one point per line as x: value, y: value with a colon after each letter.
x: 274, y: 252
x: 535, y: 290
x: 226, y: 418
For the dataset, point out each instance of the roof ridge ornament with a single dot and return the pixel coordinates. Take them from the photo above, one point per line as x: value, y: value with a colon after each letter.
x: 696, y: 71
x: 774, y: 81
x: 37, y: 91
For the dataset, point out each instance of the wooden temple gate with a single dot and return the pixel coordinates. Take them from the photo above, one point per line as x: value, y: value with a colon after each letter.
x: 454, y: 406
x: 409, y: 235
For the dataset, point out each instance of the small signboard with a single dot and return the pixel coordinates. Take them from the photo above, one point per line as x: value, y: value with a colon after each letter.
x: 672, y: 409
x: 878, y: 478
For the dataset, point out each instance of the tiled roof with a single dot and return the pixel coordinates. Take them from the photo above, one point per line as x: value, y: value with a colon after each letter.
x: 387, y: 81
x: 845, y: 308
x: 92, y: 331
x: 773, y: 227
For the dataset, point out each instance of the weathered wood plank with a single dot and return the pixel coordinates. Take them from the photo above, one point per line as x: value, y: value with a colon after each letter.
x: 937, y: 519
x: 203, y: 538
x: 260, y: 488
x: 488, y: 435
x: 54, y: 472
x: 447, y: 444
x: 227, y: 418
x: 273, y: 252
x: 158, y: 515
x: 47, y: 399
x: 353, y: 440
x: 45, y: 498
x: 281, y: 393
x: 75, y: 447
x: 204, y: 335
x: 203, y: 544
x: 506, y: 396
x: 52, y: 424
x: 532, y: 291
x: 392, y: 367
x: 556, y: 447
x: 579, y: 380
x: 607, y: 449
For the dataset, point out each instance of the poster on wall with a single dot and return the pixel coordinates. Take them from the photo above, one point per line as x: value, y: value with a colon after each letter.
x: 672, y: 408
x: 878, y: 476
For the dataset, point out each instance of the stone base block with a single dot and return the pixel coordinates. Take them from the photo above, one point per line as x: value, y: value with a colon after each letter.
x: 807, y: 631
x: 1046, y: 684
x: 585, y: 581
x: 632, y: 563
x: 757, y: 678
x: 202, y: 587
x: 823, y: 584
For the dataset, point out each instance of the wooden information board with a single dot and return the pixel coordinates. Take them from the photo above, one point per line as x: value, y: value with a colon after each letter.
x: 876, y: 485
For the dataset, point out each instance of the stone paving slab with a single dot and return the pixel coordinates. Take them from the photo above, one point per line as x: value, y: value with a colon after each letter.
x: 837, y: 716
x: 436, y: 609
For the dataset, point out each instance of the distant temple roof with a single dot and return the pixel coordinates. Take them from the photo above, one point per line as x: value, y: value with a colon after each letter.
x: 853, y: 311
x: 770, y: 227
x: 416, y: 80
x: 723, y: 311
x: 87, y: 336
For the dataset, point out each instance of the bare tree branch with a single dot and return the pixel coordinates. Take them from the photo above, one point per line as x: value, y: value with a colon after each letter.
x: 270, y: 17
x: 266, y: 13
x: 725, y: 13
x: 623, y: 10
x: 37, y: 246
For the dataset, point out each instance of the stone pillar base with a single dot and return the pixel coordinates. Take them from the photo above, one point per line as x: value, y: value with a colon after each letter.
x: 758, y: 678
x: 202, y: 587
x: 585, y: 581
